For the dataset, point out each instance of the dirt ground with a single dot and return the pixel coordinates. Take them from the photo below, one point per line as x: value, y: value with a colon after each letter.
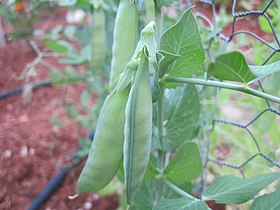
x: 32, y: 150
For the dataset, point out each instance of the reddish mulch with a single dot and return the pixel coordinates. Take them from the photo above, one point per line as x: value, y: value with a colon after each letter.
x: 32, y: 150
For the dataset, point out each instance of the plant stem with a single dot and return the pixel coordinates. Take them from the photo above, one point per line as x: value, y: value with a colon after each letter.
x: 158, y: 21
x: 160, y: 124
x: 224, y: 85
x: 178, y: 190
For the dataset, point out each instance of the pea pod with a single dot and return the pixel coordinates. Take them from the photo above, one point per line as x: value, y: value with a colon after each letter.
x: 138, y: 129
x: 125, y: 38
x: 107, y: 147
x: 98, y: 39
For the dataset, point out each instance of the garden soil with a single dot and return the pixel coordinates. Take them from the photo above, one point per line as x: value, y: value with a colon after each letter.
x: 32, y: 150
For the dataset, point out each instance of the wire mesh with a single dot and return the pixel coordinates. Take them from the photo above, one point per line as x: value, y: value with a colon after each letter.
x: 269, y: 109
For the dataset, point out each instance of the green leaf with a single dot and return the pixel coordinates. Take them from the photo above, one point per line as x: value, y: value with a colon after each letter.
x: 166, y: 61
x: 58, y: 47
x: 181, y: 116
x: 235, y: 190
x: 181, y: 204
x: 185, y: 166
x: 231, y: 66
x: 264, y: 25
x: 161, y: 3
x: 184, y: 39
x: 270, y: 201
x: 147, y: 195
x: 263, y: 71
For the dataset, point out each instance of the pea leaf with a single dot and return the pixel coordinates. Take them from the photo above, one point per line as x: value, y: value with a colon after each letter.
x: 186, y: 164
x: 181, y: 116
x: 181, y: 204
x: 60, y: 47
x: 147, y: 195
x: 269, y: 201
x: 265, y: 70
x: 231, y: 66
x: 166, y: 61
x: 184, y: 39
x: 235, y: 190
x: 161, y: 3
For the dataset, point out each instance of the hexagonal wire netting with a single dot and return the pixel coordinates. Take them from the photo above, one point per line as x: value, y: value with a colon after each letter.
x: 270, y: 108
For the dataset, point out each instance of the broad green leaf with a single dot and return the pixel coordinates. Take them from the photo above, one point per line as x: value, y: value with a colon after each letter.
x: 185, y: 166
x: 58, y: 47
x: 182, y: 109
x: 166, y: 61
x: 235, y: 190
x: 181, y: 204
x: 263, y: 71
x: 231, y: 66
x: 184, y: 39
x: 161, y: 3
x: 148, y: 194
x: 270, y: 201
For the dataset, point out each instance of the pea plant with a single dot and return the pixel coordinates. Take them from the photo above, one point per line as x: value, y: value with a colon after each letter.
x: 147, y: 133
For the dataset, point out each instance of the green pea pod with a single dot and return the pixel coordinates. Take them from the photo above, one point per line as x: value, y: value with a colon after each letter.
x: 106, y: 151
x: 99, y: 38
x: 125, y: 38
x: 138, y: 129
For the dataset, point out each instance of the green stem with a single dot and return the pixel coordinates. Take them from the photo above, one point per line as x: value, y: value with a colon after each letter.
x: 178, y: 190
x: 158, y: 21
x: 224, y: 85
x: 160, y: 124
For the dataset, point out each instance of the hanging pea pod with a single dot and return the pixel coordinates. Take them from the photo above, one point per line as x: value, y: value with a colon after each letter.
x: 125, y: 38
x: 138, y: 129
x: 98, y: 37
x: 106, y: 151
x: 146, y: 41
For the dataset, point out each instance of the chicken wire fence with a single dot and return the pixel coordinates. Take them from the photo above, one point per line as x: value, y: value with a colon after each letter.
x: 210, y: 127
